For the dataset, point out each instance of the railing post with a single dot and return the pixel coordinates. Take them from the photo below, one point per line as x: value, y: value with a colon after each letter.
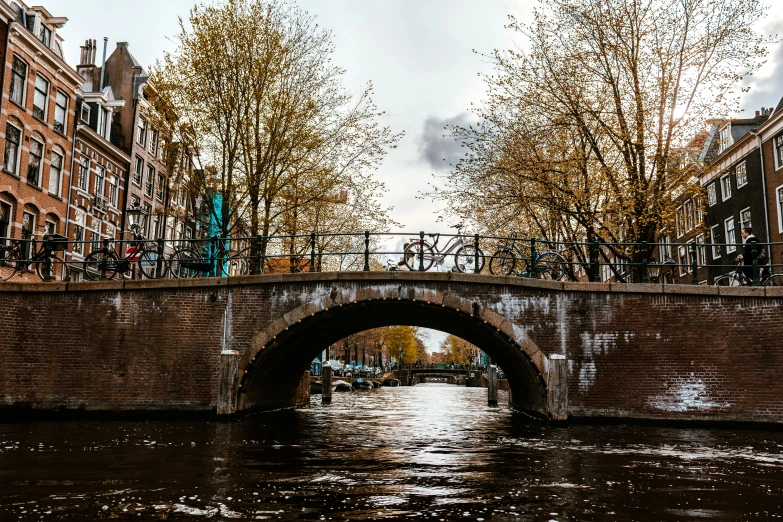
x: 694, y: 265
x: 312, y: 251
x: 421, y: 251
x: 476, y: 254
x: 259, y: 254
x: 645, y: 271
x: 105, y: 256
x: 595, y: 268
x: 531, y: 269
x: 159, y: 265
x: 216, y: 258
x: 366, y: 251
x: 47, y: 262
x: 756, y: 279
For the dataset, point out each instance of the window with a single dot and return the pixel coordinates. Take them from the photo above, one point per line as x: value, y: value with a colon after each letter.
x: 41, y: 97
x: 84, y: 174
x: 779, y: 150
x: 60, y: 111
x: 745, y: 219
x: 156, y: 227
x: 742, y: 174
x: 687, y: 209
x: 102, y: 118
x: 11, y: 155
x: 684, y: 262
x: 148, y: 212
x: 701, y: 251
x: 161, y: 184
x: 141, y: 132
x: 153, y: 145
x: 150, y: 183
x: 731, y: 239
x: 50, y: 227
x: 715, y: 239
x: 78, y: 234
x: 85, y: 114
x: 725, y: 187
x: 28, y: 229
x: 34, y: 163
x: 678, y: 222
x: 664, y: 249
x: 113, y: 192
x: 138, y: 169
x: 5, y: 222
x: 55, y: 173
x: 18, y: 80
x: 45, y: 35
x: 779, y: 192
x: 724, y: 138
x: 711, y: 196
x: 100, y: 176
x: 135, y: 202
x: 697, y: 210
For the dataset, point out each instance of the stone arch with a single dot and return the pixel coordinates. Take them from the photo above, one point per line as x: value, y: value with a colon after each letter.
x: 271, y: 367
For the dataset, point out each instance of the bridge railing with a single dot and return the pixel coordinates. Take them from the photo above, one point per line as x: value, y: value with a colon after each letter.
x: 56, y: 258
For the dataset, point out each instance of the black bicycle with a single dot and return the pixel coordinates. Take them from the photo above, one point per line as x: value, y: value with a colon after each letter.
x: 48, y: 265
x: 738, y: 277
x: 549, y: 264
x: 106, y: 262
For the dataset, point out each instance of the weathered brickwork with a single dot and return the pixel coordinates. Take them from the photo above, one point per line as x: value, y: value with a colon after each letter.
x: 637, y: 351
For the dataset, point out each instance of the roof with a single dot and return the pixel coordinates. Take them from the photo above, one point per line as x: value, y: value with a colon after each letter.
x: 779, y: 106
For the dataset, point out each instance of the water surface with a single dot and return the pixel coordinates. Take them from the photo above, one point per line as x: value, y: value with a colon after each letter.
x: 432, y: 451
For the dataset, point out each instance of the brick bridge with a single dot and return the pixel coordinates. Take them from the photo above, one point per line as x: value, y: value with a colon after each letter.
x: 240, y: 344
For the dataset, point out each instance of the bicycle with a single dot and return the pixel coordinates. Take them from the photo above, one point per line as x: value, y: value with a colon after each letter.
x: 188, y: 261
x: 549, y: 264
x: 421, y: 253
x: 48, y: 265
x: 106, y: 262
x: 739, y: 278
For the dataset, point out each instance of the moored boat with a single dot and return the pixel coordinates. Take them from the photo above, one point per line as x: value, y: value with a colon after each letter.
x: 391, y: 383
x: 361, y: 384
x: 341, y: 386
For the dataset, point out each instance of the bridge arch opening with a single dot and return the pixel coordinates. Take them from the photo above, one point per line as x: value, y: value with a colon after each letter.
x: 270, y: 373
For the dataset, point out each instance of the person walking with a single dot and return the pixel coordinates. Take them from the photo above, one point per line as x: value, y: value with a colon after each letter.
x: 751, y: 242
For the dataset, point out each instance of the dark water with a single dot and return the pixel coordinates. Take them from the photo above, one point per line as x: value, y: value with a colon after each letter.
x: 434, y: 452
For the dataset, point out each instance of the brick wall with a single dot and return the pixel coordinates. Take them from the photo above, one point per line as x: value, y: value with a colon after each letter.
x: 641, y: 351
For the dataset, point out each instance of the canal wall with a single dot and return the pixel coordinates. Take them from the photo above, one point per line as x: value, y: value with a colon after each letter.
x: 629, y: 351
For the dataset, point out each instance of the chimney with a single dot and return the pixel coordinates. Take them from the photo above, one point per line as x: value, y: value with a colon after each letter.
x: 757, y: 114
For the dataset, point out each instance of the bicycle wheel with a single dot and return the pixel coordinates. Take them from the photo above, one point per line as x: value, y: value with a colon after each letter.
x: 234, y: 264
x: 9, y: 263
x: 774, y: 280
x: 94, y: 265
x: 465, y: 259
x: 550, y: 265
x: 727, y: 280
x: 503, y: 262
x: 60, y: 271
x: 411, y: 256
x: 148, y: 264
x: 187, y: 263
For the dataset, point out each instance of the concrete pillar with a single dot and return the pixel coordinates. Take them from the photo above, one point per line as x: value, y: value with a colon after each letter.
x: 229, y: 382
x: 326, y: 383
x: 492, y: 385
x: 557, y: 388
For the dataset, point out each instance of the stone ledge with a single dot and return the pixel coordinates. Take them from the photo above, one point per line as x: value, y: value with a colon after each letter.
x: 86, y: 286
x: 741, y: 291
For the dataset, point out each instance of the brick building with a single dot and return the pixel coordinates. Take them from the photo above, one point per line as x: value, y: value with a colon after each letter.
x: 100, y: 168
x: 36, y: 122
x: 770, y: 136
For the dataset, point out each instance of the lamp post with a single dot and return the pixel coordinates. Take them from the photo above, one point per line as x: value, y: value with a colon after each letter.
x: 137, y: 217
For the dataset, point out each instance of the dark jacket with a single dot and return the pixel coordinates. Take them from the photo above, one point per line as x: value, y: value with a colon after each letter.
x: 747, y: 255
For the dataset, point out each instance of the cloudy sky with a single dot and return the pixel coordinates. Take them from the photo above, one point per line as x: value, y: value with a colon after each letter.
x: 418, y: 54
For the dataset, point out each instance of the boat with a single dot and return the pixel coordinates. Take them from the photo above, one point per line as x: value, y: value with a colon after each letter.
x: 316, y: 387
x: 391, y: 383
x: 361, y: 384
x: 375, y: 384
x: 341, y: 386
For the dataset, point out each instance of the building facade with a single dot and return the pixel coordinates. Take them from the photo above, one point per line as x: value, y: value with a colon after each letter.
x: 770, y: 138
x: 36, y: 123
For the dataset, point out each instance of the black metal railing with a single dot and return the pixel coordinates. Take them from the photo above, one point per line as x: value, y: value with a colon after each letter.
x: 54, y: 258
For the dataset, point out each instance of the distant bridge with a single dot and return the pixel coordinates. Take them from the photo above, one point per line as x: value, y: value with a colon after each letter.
x: 239, y: 344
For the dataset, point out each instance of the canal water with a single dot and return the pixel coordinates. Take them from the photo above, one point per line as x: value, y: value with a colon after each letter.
x: 433, y: 452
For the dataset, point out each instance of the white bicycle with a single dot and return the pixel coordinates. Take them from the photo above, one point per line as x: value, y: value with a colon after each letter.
x: 422, y: 255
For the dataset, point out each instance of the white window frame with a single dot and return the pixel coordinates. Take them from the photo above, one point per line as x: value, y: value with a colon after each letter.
x: 683, y: 253
x: 743, y: 168
x: 742, y: 222
x: 59, y: 182
x: 84, y: 164
x: 712, y: 195
x: 64, y: 123
x: 41, y: 160
x: 24, y: 80
x: 779, y: 194
x: 777, y: 151
x: 730, y: 241
x: 141, y: 132
x: 46, y: 96
x: 85, y: 107
x: 18, y: 158
x: 723, y: 191
x: 138, y: 162
x: 701, y: 250
x: 679, y: 225
x: 713, y: 239
x: 6, y: 233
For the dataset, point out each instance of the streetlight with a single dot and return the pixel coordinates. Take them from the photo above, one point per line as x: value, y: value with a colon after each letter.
x: 137, y: 217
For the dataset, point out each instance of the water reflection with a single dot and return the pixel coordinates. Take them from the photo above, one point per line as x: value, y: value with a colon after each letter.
x: 432, y: 451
